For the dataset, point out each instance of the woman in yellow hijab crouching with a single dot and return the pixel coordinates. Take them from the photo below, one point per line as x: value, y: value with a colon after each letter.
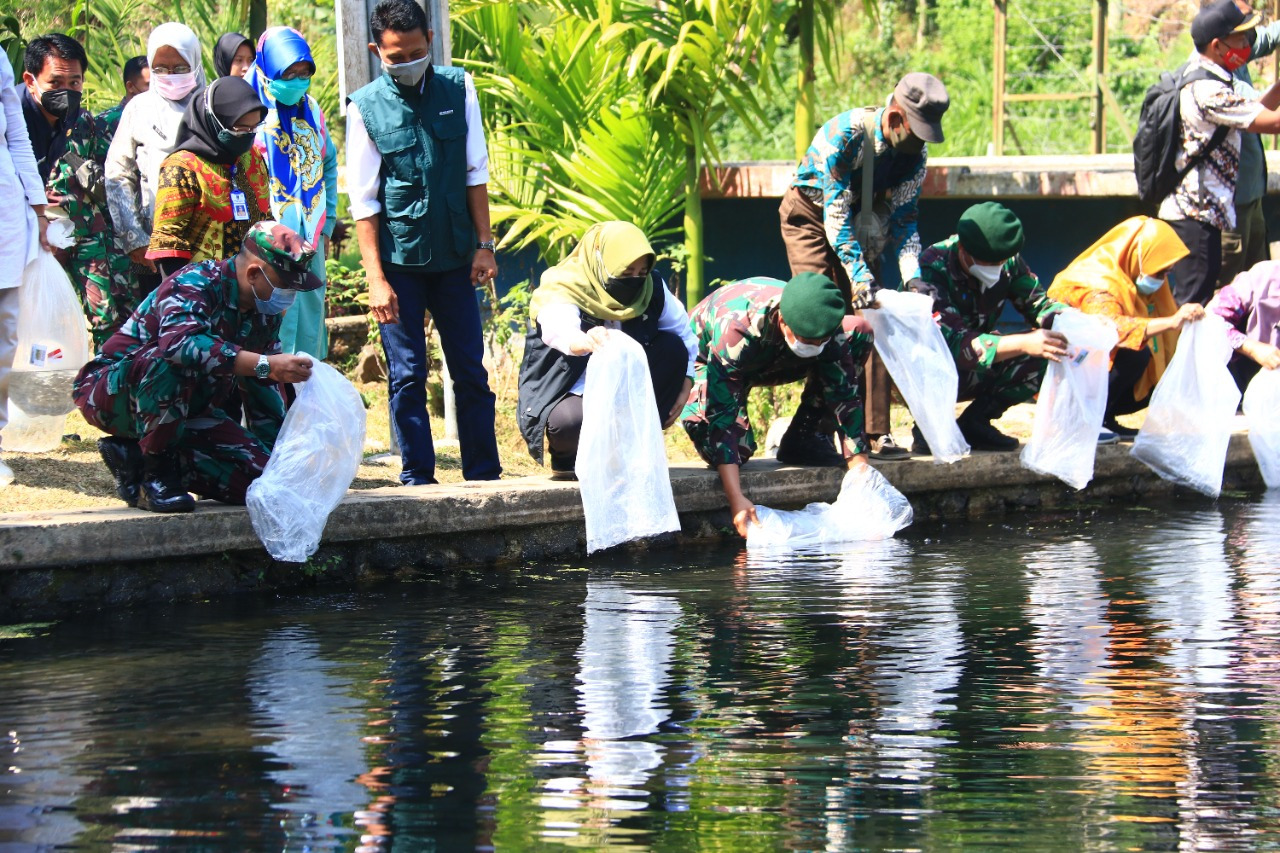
x: 606, y: 286
x: 1124, y: 277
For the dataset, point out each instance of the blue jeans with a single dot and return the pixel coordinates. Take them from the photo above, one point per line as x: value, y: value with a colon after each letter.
x: 451, y: 299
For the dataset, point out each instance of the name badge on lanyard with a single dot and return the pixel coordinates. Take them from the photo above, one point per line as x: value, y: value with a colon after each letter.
x: 239, y: 204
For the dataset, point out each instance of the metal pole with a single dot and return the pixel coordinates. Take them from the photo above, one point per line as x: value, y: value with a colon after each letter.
x: 997, y: 94
x: 1099, y: 76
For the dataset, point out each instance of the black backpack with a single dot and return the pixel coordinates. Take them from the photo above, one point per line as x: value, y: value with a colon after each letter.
x: 1159, y: 137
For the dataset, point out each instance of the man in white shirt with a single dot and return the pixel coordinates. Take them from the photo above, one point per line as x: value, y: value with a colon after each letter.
x: 417, y: 171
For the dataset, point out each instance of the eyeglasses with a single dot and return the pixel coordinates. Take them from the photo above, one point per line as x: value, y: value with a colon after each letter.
x: 296, y: 75
x: 170, y: 69
x: 247, y: 128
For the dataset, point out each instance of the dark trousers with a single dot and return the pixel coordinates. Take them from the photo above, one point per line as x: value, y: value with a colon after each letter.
x: 1126, y: 369
x: 668, y: 363
x: 1195, y: 277
x: 1007, y: 383
x: 451, y: 299
x: 1243, y: 369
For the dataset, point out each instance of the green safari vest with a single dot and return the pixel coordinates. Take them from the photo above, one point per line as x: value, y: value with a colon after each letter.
x: 423, y: 142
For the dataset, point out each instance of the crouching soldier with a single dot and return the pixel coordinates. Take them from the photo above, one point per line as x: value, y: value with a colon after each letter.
x: 161, y: 383
x: 760, y: 332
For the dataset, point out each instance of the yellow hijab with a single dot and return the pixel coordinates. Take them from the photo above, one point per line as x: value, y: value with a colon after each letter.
x: 1138, y: 246
x: 605, y: 250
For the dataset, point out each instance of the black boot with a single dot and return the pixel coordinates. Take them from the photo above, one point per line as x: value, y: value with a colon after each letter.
x: 562, y: 467
x: 1125, y: 433
x: 124, y: 461
x: 975, y: 426
x: 805, y: 443
x: 161, y: 489
x: 919, y: 446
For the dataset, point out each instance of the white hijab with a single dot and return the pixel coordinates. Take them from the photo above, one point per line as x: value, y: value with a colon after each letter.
x: 183, y: 39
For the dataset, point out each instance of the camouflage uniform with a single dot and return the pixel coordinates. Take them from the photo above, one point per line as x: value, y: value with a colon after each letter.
x: 166, y: 375
x: 740, y: 347
x: 109, y: 119
x: 100, y: 272
x: 968, y: 316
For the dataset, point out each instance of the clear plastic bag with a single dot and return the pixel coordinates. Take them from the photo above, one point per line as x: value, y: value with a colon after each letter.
x: 1262, y: 410
x: 1189, y: 421
x: 622, y: 459
x: 1073, y: 401
x: 868, y: 507
x: 53, y: 344
x: 316, y: 456
x: 912, y: 348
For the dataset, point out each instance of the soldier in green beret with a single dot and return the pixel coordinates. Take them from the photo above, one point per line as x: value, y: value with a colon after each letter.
x: 760, y: 332
x: 971, y: 276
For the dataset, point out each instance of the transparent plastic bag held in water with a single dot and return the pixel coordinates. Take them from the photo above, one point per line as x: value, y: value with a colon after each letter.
x: 912, y: 348
x: 1188, y: 425
x: 1073, y: 401
x: 868, y: 507
x: 312, y: 465
x: 1262, y: 410
x: 622, y: 459
x: 53, y: 344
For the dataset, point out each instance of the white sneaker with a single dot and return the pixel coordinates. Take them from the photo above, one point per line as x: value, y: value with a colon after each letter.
x: 6, y: 475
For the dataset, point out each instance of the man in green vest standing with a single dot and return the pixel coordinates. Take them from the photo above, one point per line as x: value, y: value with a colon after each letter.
x: 417, y: 174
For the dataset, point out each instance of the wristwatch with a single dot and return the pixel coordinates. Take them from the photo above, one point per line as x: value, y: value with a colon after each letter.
x: 262, y: 369
x: 485, y: 244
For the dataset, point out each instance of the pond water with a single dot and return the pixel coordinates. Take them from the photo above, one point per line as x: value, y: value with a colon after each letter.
x: 1102, y: 680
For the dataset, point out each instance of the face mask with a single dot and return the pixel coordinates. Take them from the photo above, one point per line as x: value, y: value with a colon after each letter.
x: 174, y: 87
x: 289, y: 92
x: 625, y: 289
x: 408, y: 73
x: 1148, y: 284
x: 279, y: 300
x: 61, y: 103
x: 904, y: 141
x: 987, y: 276
x: 236, y: 143
x: 1236, y: 57
x: 803, y: 350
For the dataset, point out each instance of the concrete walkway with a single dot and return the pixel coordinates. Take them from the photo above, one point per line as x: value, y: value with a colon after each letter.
x: 51, y: 561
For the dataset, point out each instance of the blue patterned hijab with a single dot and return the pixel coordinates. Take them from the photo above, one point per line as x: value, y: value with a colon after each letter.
x: 295, y: 137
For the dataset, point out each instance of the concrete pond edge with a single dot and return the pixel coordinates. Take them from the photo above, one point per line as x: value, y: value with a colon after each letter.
x: 55, y: 563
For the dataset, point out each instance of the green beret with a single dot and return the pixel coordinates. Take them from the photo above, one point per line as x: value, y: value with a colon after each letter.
x: 812, y: 305
x: 990, y: 232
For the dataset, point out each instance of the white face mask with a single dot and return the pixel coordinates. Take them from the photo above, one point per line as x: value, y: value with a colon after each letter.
x: 987, y: 276
x: 803, y: 350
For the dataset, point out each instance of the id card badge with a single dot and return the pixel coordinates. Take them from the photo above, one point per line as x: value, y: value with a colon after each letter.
x: 239, y: 206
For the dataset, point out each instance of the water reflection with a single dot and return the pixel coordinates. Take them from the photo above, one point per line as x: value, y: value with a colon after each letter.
x: 1092, y: 683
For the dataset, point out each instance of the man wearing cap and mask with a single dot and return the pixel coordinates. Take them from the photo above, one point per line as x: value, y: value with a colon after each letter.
x: 824, y: 229
x: 760, y: 332
x: 417, y: 172
x: 971, y: 276
x: 1213, y: 114
x: 160, y: 385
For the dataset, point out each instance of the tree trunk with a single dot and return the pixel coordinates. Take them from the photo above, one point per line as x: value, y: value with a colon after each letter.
x: 257, y: 18
x: 694, y: 277
x: 806, y: 123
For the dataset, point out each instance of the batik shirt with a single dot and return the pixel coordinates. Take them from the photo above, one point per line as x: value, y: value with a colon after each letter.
x: 967, y: 314
x: 194, y: 321
x: 741, y: 346
x: 1207, y: 193
x: 830, y: 175
x: 194, y: 219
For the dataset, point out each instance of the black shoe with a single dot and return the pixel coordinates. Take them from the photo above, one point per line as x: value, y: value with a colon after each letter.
x: 919, y: 446
x: 981, y: 435
x: 1125, y: 433
x: 562, y: 467
x: 161, y: 489
x: 124, y: 461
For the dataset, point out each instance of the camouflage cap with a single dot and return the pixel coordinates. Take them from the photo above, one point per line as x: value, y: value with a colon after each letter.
x: 282, y: 249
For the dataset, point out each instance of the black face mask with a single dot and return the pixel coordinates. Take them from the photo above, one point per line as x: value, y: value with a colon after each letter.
x: 61, y: 103
x: 236, y: 143
x: 625, y: 289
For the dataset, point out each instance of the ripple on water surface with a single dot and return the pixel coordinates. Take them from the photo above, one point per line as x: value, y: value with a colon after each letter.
x: 1094, y: 681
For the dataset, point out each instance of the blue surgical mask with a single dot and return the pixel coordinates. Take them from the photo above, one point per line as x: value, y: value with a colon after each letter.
x: 279, y: 300
x: 1148, y: 284
x: 289, y: 92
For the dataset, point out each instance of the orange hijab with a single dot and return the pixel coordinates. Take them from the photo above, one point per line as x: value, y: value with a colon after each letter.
x: 1137, y: 246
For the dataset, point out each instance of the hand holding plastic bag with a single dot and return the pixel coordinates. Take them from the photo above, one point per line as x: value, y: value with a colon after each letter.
x: 914, y: 351
x: 868, y: 507
x: 1262, y: 409
x: 1073, y: 401
x: 53, y: 344
x: 622, y: 460
x: 1189, y: 421
x: 316, y: 456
